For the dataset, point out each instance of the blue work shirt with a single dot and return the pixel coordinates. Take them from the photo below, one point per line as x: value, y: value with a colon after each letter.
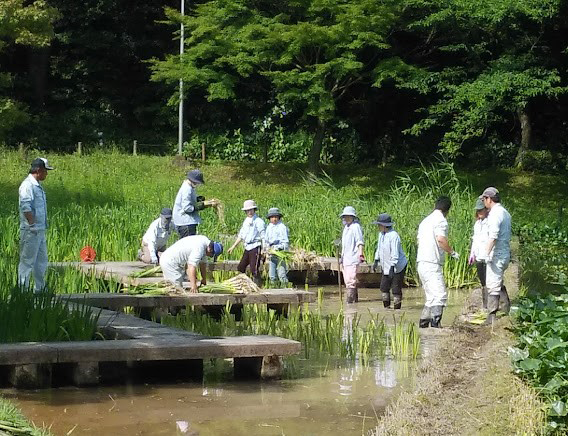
x: 389, y: 252
x: 252, y: 232
x: 184, y: 213
x: 32, y: 199
x: 351, y: 239
x: 277, y: 232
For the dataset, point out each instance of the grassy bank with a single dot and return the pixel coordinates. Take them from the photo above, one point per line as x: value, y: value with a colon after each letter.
x: 13, y: 422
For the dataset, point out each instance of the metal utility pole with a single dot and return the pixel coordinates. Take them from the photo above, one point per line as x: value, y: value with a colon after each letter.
x: 180, y: 114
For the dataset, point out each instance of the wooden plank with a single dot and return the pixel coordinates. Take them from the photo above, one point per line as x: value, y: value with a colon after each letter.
x: 118, y: 301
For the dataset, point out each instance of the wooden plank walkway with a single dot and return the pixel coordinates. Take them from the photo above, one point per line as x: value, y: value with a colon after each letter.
x: 137, y: 340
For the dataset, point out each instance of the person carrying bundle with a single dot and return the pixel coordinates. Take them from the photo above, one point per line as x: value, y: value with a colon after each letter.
x: 156, y: 238
x: 392, y: 259
x: 185, y: 256
x: 477, y: 254
x: 252, y: 235
x: 276, y: 240
x: 351, y: 251
x: 188, y: 204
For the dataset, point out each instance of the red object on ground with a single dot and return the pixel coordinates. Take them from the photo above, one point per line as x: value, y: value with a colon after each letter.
x: 87, y: 254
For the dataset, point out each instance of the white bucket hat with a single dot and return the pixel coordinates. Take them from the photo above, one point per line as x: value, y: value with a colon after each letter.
x: 348, y: 210
x: 249, y: 204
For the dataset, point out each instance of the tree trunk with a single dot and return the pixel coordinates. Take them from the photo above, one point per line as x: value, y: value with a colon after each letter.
x: 525, y: 121
x: 38, y: 65
x: 317, y: 145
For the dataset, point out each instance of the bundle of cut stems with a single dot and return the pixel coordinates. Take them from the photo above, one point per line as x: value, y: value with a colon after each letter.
x: 240, y: 284
x: 147, y: 272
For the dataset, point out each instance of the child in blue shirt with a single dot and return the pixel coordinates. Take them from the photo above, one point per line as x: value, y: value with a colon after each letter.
x: 276, y: 240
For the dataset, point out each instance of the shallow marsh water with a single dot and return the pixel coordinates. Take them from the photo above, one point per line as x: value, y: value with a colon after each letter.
x: 322, y: 397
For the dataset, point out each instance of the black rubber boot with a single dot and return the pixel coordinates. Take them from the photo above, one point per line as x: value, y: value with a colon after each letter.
x: 397, y: 301
x: 492, y: 307
x: 437, y: 312
x: 504, y: 298
x: 352, y: 295
x: 425, y: 319
x: 484, y: 297
x: 386, y: 300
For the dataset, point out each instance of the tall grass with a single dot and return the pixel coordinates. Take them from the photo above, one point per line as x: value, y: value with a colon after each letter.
x: 338, y: 335
x: 29, y: 317
x: 108, y: 199
x: 13, y: 422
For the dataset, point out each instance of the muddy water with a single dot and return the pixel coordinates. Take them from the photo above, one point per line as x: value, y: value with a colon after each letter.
x: 322, y: 397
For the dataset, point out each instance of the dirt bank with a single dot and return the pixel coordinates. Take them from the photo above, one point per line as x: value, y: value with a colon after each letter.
x: 466, y: 387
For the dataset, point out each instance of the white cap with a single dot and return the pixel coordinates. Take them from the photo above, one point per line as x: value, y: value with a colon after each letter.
x: 249, y: 204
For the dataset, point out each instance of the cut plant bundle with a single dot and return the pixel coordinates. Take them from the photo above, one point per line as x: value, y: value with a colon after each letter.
x: 160, y: 288
x: 240, y: 284
x: 147, y: 272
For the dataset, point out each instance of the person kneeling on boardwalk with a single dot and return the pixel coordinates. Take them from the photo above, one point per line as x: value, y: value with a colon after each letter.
x: 156, y: 238
x: 185, y: 256
x: 276, y: 240
x: 351, y: 251
x: 252, y: 235
x: 392, y: 259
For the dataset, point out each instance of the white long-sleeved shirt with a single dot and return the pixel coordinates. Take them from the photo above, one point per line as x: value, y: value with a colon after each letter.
x: 499, y: 228
x: 32, y: 199
x: 479, y: 239
x: 252, y: 232
x: 277, y: 232
x: 351, y: 239
x: 156, y: 237
x: 389, y: 252
x: 184, y: 213
x: 432, y: 226
x: 191, y: 250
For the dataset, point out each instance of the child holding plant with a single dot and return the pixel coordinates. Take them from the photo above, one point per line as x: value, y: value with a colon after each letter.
x: 252, y: 235
x: 351, y: 251
x: 276, y: 243
x: 479, y: 241
x: 392, y: 259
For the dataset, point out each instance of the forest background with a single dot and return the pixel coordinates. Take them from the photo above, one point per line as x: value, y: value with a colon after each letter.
x: 481, y: 82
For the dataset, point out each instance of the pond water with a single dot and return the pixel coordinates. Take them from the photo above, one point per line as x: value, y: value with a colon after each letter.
x: 323, y: 397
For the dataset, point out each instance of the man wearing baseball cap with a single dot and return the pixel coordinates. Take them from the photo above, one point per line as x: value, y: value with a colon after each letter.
x: 185, y: 256
x: 156, y: 237
x: 33, y: 224
x: 188, y: 204
x: 497, y: 253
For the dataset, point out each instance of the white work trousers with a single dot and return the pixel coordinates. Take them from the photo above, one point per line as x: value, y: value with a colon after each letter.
x: 173, y: 272
x: 432, y: 279
x: 494, y: 274
x: 33, y: 258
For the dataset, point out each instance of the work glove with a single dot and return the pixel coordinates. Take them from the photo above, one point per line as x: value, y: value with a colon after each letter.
x: 455, y: 255
x: 200, y: 198
x: 376, y: 265
x: 200, y: 205
x: 391, y: 273
x: 471, y: 260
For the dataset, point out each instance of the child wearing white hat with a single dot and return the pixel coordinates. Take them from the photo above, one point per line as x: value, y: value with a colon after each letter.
x: 252, y: 235
x: 351, y: 251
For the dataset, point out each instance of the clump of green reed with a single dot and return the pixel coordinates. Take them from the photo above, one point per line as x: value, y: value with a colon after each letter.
x: 13, y: 422
x: 26, y: 316
x: 404, y: 339
x: 339, y: 335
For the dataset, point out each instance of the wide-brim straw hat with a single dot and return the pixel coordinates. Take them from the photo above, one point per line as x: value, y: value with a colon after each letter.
x: 249, y: 204
x: 348, y: 210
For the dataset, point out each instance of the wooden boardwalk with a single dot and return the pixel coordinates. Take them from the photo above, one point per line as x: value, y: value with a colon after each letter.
x: 135, y: 341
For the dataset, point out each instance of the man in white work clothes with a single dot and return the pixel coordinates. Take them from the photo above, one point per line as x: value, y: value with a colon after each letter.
x: 33, y: 225
x: 155, y: 239
x: 498, y: 252
x: 432, y: 246
x: 185, y: 256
